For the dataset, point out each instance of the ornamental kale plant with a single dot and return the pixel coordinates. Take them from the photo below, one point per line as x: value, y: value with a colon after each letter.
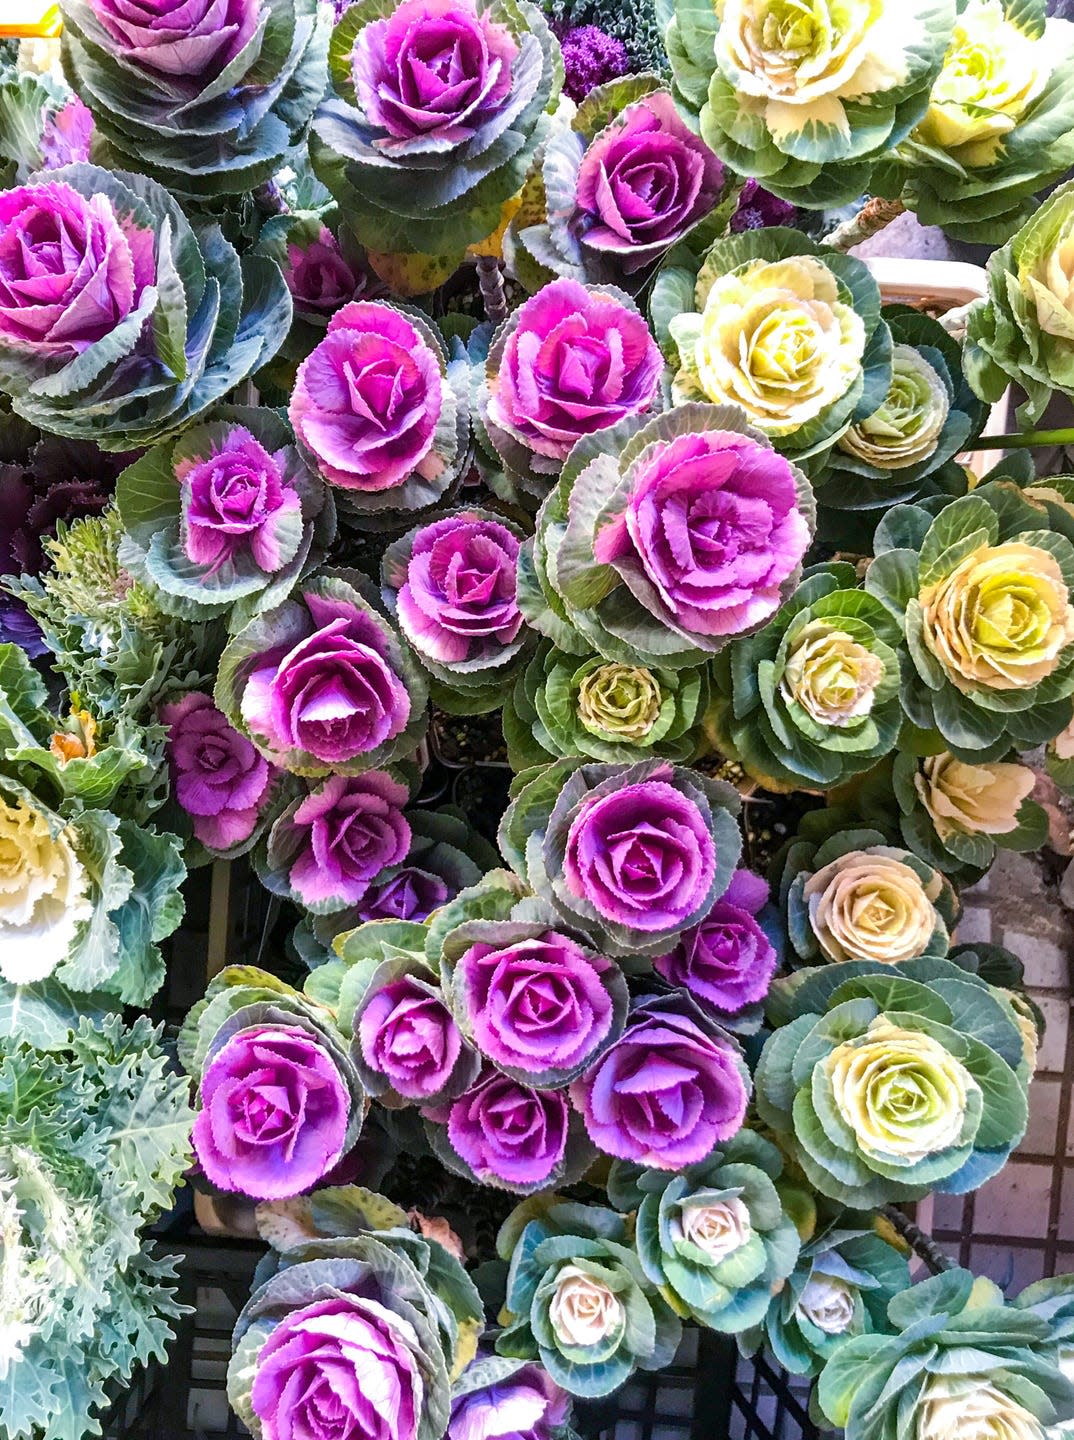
x: 619, y: 186
x: 436, y: 113
x: 806, y: 101
x: 999, y: 127
x: 95, y: 1139
x: 788, y: 331
x: 959, y: 1359
x: 884, y: 1084
x: 207, y: 99
x: 119, y: 321
x: 664, y: 541
x: 813, y: 697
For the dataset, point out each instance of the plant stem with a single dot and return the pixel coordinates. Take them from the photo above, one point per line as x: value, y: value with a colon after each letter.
x: 490, y: 279
x: 1027, y: 440
x: 923, y: 1245
x: 869, y: 221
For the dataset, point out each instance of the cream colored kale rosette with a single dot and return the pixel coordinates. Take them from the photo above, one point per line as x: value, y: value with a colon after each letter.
x: 1024, y: 330
x: 984, y: 591
x: 813, y: 697
x: 789, y: 332
x: 956, y: 814
x: 884, y: 1086
x: 956, y: 1363
x: 906, y: 448
x: 999, y: 127
x: 855, y: 897
x: 806, y: 98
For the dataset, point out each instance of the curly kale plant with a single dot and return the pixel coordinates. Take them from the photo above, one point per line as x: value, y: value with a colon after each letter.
x: 94, y: 1141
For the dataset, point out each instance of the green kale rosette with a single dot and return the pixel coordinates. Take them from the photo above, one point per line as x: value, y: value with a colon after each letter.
x: 884, y: 1085
x: 813, y: 697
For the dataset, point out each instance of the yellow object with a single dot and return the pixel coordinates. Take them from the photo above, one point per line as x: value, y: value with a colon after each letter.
x: 492, y: 245
x: 29, y: 20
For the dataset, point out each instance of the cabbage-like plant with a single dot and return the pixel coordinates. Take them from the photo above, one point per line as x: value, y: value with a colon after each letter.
x: 88, y: 897
x: 446, y: 855
x: 886, y: 1084
x: 573, y: 705
x: 958, y: 1357
x: 617, y: 185
x: 806, y: 100
x: 578, y: 1299
x: 436, y: 113
x: 983, y: 593
x: 1024, y: 330
x: 846, y: 1274
x: 955, y: 814
x: 452, y: 587
x: 603, y: 572
x: 999, y: 127
x: 906, y: 448
x: 813, y: 697
x: 280, y: 1101
x: 129, y: 349
x: 717, y: 1239
x: 1053, y: 1300
x: 671, y: 835
x: 96, y: 1137
x: 323, y: 684
x: 207, y: 102
x: 787, y: 330
x: 225, y: 520
x: 352, y: 1303
x: 855, y: 897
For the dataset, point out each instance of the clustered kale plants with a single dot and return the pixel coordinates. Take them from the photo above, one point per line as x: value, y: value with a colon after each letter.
x: 452, y: 470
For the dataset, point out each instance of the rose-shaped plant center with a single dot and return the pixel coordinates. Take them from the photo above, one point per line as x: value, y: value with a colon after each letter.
x: 584, y: 1309
x: 967, y: 799
x: 536, y: 1005
x: 576, y: 361
x: 527, y: 1404
x: 726, y: 961
x: 509, y: 1133
x: 334, y: 694
x: 408, y: 1035
x: 620, y: 702
x: 71, y: 269
x: 274, y: 1114
x: 346, y: 833
x: 458, y: 601
x: 832, y: 676
x: 343, y: 1368
x: 906, y: 428
x: 367, y: 400
x: 870, y: 906
x: 410, y: 894
x: 971, y: 1407
x: 645, y: 181
x: 43, y: 894
x: 829, y: 1302
x: 220, y: 779
x: 642, y: 855
x: 903, y: 1095
x: 233, y: 502
x: 992, y: 73
x: 777, y: 339
x: 716, y: 1228
x: 433, y: 70
x: 710, y: 533
x: 1001, y: 619
x: 795, y: 50
x: 665, y: 1093
x: 318, y: 276
x: 186, y: 40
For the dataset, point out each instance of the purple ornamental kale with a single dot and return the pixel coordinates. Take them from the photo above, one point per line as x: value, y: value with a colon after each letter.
x: 591, y: 57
